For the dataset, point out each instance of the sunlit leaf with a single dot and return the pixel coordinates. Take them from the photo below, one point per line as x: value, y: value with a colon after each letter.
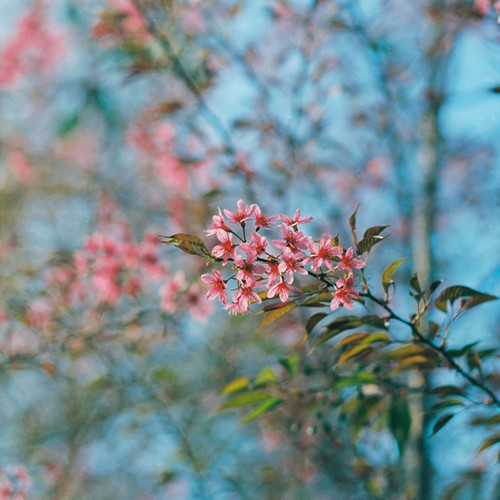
x: 244, y: 399
x: 353, y: 352
x: 266, y: 376
x: 361, y: 378
x: 337, y: 326
x: 277, y: 313
x: 261, y: 409
x: 409, y: 364
x: 291, y: 364
x: 387, y: 280
x: 491, y: 420
x: 376, y: 337
x: 236, y: 385
x: 355, y: 337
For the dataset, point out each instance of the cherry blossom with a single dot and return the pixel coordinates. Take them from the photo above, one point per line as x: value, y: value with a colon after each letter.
x: 344, y: 294
x: 348, y: 262
x: 226, y: 250
x: 282, y: 289
x: 217, y: 284
x: 324, y: 253
x: 242, y: 213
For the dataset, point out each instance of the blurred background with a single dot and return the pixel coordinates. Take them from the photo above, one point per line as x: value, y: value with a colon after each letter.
x: 121, y: 120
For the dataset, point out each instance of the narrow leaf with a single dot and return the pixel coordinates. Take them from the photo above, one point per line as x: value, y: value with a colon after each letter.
x: 448, y: 390
x: 376, y: 337
x: 487, y: 443
x: 441, y: 422
x: 351, y: 353
x: 446, y: 404
x: 277, y: 313
x: 261, y: 409
x: 291, y: 364
x: 352, y: 225
x: 355, y: 337
x: 188, y: 243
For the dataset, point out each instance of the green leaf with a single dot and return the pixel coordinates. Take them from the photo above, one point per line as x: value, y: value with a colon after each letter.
x: 491, y: 420
x: 244, y: 399
x: 366, y: 244
x: 261, y: 409
x: 448, y: 390
x: 456, y: 353
x: 317, y: 299
x: 410, y: 363
x: 453, y: 293
x: 387, y: 280
x: 441, y: 422
x: 187, y: 243
x: 374, y: 231
x: 376, y: 337
x: 337, y: 326
x: 353, y: 352
x: 361, y: 378
x: 314, y: 320
x: 434, y: 285
x: 400, y: 423
x: 69, y: 124
x: 266, y: 376
x: 352, y: 225
x: 415, y: 284
x: 354, y: 337
x: 487, y: 443
x: 291, y: 364
x: 446, y: 404
x: 238, y: 384
x: 277, y: 313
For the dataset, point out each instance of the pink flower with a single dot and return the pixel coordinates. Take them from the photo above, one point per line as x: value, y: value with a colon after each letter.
x: 246, y: 295
x: 197, y: 306
x: 226, y: 250
x: 257, y: 247
x: 170, y: 291
x: 218, y: 222
x: 282, y: 289
x: 482, y: 6
x: 296, y: 220
x: 217, y: 286
x: 295, y: 240
x: 273, y: 273
x: 348, y: 262
x: 496, y: 6
x: 345, y: 294
x: 261, y: 220
x: 40, y: 313
x: 323, y: 254
x: 291, y: 263
x: 247, y: 269
x: 236, y: 308
x: 242, y: 214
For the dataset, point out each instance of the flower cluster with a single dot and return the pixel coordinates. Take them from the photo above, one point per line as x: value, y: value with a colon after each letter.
x: 267, y: 269
x: 14, y: 483
x: 33, y: 48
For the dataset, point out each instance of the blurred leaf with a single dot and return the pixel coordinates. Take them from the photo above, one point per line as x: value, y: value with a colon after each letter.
x: 236, y: 385
x: 244, y: 399
x: 446, y: 404
x: 491, y: 420
x: 69, y: 124
x: 376, y: 337
x: 261, y: 409
x: 409, y: 364
x: 355, y: 337
x: 361, y: 378
x: 415, y: 284
x: 387, y: 280
x: 453, y: 293
x: 291, y: 364
x: 441, y: 422
x: 277, y: 313
x: 487, y: 443
x: 400, y: 423
x: 353, y: 352
x: 337, y: 326
x: 366, y: 244
x: 448, y: 390
x: 266, y: 376
x: 168, y: 107
x: 314, y: 320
